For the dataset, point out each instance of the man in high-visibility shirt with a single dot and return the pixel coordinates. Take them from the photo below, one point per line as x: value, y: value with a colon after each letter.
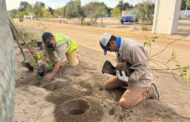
x: 64, y: 47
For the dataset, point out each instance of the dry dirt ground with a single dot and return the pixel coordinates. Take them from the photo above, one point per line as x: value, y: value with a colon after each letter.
x: 77, y: 95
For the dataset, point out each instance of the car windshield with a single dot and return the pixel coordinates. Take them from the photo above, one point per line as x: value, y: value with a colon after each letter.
x: 131, y: 13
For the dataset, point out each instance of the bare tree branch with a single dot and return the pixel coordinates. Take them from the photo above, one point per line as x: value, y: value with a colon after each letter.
x: 166, y: 47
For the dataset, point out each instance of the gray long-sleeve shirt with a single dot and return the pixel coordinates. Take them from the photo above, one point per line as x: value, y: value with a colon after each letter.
x: 135, y: 57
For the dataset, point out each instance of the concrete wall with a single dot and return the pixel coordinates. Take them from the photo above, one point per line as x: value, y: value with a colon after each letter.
x: 166, y: 16
x: 7, y: 67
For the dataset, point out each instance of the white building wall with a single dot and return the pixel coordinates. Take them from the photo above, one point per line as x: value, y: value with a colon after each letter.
x: 166, y: 16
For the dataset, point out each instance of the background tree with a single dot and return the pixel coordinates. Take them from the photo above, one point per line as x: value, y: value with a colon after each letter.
x: 47, y: 14
x: 145, y: 12
x: 24, y: 9
x: 109, y: 12
x: 121, y: 6
x: 51, y: 11
x: 23, y: 6
x: 115, y: 12
x: 185, y: 5
x: 13, y: 13
x: 38, y: 9
x: 59, y: 12
x: 94, y: 10
x: 72, y: 9
x: 126, y: 7
x: 188, y: 3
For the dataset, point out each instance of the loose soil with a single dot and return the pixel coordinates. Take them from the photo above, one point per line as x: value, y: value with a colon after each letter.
x: 81, y: 86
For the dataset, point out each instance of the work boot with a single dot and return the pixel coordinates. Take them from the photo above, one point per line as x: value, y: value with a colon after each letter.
x: 154, y: 92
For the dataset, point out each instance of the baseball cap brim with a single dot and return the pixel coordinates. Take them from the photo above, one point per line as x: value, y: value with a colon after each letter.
x: 104, y: 48
x: 105, y: 52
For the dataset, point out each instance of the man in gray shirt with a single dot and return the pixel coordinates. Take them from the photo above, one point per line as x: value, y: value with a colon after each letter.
x: 133, y: 70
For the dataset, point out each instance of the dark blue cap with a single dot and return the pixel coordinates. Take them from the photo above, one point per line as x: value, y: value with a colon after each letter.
x: 46, y: 36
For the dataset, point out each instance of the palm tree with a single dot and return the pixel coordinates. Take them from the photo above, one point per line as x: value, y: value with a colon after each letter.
x: 7, y: 67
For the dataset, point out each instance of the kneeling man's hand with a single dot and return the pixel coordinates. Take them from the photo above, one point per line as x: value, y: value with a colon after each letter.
x: 122, y: 77
x: 48, y: 77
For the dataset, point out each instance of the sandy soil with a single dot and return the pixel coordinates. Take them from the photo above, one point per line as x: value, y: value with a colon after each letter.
x: 81, y: 86
x: 88, y: 36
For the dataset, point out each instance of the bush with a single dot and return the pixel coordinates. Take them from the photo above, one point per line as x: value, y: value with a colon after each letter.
x: 21, y: 19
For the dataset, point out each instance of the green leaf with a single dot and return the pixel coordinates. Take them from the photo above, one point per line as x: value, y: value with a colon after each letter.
x: 155, y: 37
x: 184, y: 70
x: 145, y: 43
x: 189, y: 79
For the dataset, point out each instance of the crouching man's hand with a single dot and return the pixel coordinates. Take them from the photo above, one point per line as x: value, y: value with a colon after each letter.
x: 51, y: 75
x: 48, y: 77
x: 122, y: 77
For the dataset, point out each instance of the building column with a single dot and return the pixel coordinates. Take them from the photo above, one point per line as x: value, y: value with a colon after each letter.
x: 166, y: 16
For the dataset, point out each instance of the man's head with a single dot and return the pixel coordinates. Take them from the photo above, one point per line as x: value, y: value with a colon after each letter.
x: 108, y: 43
x: 48, y: 39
